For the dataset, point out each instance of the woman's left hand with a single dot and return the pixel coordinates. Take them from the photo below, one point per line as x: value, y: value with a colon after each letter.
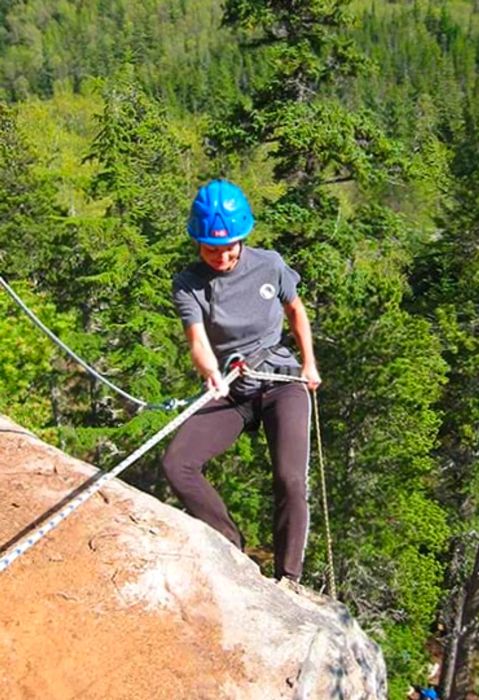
x: 311, y: 373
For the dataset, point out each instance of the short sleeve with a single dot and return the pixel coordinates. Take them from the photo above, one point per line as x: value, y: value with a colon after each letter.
x: 188, y: 307
x: 288, y: 281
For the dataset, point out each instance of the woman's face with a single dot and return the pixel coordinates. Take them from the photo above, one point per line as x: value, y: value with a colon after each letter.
x: 222, y: 258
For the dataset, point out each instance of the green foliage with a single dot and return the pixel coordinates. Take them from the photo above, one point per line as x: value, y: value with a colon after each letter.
x: 28, y: 216
x: 405, y: 654
x: 313, y: 141
x: 29, y: 363
x: 179, y: 50
x: 110, y: 265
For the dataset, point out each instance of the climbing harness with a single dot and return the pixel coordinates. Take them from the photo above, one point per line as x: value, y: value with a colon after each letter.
x: 168, y: 405
x: 31, y: 539
x: 235, y: 366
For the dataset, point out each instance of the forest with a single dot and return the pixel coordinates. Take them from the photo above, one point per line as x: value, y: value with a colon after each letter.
x: 352, y: 126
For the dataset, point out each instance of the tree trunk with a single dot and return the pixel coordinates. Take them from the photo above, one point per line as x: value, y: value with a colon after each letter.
x: 451, y: 655
x: 456, y: 677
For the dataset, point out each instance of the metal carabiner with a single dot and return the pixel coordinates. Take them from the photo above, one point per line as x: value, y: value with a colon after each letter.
x: 236, y: 359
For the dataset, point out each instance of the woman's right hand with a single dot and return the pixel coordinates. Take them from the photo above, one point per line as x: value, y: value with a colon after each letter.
x: 216, y: 383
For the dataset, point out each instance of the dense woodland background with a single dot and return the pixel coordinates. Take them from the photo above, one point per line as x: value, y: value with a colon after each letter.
x: 353, y: 129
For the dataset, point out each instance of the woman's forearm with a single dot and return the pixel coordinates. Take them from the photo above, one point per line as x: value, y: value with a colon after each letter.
x: 301, y: 328
x: 205, y: 360
x: 202, y: 354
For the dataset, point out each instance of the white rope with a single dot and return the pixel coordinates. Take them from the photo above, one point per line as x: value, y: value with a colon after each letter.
x: 40, y: 532
x: 273, y: 376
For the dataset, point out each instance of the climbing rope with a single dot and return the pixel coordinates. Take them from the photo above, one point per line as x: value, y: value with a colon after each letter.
x: 169, y: 405
x: 324, y: 495
x: 40, y: 532
x: 273, y: 376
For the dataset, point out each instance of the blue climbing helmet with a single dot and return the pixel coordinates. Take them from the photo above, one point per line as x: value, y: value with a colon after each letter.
x: 429, y: 693
x: 220, y: 214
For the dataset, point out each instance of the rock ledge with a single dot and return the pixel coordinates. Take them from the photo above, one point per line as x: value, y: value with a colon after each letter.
x: 132, y: 599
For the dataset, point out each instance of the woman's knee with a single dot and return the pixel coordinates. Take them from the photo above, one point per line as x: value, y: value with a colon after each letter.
x: 293, y: 486
x: 168, y: 465
x: 177, y: 465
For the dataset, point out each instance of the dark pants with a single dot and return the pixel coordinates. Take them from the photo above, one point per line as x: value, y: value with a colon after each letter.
x: 284, y: 410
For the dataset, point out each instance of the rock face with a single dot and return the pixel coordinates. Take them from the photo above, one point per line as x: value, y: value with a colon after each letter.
x: 130, y: 599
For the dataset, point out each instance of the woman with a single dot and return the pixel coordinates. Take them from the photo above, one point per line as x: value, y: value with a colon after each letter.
x: 233, y: 301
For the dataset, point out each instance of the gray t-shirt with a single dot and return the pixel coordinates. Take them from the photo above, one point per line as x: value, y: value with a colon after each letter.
x: 241, y: 310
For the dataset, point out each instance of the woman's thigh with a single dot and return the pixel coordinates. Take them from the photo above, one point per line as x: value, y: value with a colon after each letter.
x: 286, y: 415
x: 208, y: 433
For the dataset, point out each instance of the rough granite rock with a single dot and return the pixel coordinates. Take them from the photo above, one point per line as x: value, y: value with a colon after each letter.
x: 132, y: 599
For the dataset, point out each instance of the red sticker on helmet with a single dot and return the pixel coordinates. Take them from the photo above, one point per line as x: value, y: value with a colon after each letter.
x: 221, y: 233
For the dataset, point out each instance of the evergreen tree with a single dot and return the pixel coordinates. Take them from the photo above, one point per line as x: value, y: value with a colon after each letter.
x: 127, y: 327
x: 446, y: 287
x: 28, y: 214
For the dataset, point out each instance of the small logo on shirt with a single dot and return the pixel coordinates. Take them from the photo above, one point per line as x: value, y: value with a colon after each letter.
x: 267, y: 291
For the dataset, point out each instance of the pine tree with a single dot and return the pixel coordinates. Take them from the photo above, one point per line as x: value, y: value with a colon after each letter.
x: 127, y: 328
x: 446, y: 288
x: 28, y: 214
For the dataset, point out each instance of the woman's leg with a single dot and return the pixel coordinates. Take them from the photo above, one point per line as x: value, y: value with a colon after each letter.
x: 206, y: 434
x: 286, y: 418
